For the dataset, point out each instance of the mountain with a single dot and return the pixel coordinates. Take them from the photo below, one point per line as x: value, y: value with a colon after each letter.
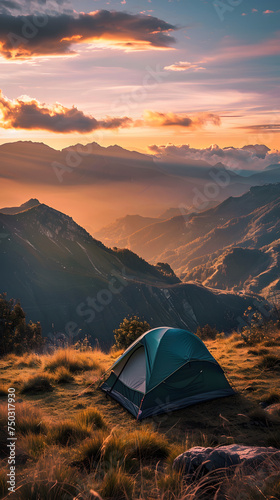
x: 73, y: 284
x: 116, y: 233
x: 25, y: 206
x: 233, y: 245
x: 99, y: 178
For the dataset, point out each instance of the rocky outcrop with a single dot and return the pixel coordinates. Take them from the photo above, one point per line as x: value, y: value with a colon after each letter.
x: 199, y: 460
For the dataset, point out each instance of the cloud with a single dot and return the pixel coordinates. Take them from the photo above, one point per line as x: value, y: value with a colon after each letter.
x: 250, y: 157
x: 24, y: 37
x: 16, y: 7
x: 153, y: 118
x: 264, y: 48
x: 268, y: 12
x: 29, y: 114
x: 183, y: 66
x: 265, y: 127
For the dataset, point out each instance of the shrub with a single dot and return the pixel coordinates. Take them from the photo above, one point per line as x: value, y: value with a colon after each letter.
x: 129, y: 330
x: 15, y: 334
x: 63, y: 376
x: 117, y: 485
x: 37, y: 383
x: 74, y: 361
x: 207, y: 332
x: 91, y: 417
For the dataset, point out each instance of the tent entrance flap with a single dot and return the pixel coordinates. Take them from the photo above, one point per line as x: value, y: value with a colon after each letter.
x: 134, y: 373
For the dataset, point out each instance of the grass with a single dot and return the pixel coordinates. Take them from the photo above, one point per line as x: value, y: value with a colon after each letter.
x: 89, y: 452
x: 63, y: 376
x: 3, y: 391
x: 74, y: 361
x: 68, y: 432
x: 28, y: 418
x: 272, y: 397
x: 76, y: 440
x: 91, y: 417
x: 269, y: 362
x: 37, y: 383
x: 117, y: 485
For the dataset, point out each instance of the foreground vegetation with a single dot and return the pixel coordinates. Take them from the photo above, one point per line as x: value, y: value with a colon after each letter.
x: 73, y: 442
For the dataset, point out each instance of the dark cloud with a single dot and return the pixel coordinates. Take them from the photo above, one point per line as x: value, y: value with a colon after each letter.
x: 24, y: 37
x: 31, y: 115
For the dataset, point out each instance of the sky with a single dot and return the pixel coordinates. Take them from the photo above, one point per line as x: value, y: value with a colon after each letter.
x: 140, y: 73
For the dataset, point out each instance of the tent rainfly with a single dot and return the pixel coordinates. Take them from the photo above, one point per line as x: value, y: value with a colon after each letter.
x: 163, y: 370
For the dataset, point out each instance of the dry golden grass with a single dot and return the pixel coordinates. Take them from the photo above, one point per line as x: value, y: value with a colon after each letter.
x: 72, y: 360
x: 78, y: 440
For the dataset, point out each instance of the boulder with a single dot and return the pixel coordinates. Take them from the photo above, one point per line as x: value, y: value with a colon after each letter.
x: 199, y: 460
x: 273, y: 410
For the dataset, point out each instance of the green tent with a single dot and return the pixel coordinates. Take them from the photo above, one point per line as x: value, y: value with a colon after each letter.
x: 165, y: 369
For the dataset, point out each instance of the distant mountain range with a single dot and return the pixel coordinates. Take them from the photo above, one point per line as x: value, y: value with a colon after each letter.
x: 234, y: 245
x: 130, y: 182
x: 73, y: 284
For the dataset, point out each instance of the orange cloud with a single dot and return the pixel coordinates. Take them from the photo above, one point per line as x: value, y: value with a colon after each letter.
x: 20, y: 38
x: 155, y: 119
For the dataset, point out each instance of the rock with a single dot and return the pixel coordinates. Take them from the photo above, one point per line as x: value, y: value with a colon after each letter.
x: 199, y: 460
x: 273, y: 410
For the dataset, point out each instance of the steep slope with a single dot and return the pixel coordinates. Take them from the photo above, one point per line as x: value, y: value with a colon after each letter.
x: 73, y: 284
x: 200, y: 246
x: 15, y: 210
x: 117, y: 233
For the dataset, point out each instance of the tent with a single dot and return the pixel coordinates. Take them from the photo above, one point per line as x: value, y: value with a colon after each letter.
x: 165, y: 369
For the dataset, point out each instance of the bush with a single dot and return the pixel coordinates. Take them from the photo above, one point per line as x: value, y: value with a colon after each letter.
x: 207, y: 332
x: 15, y: 334
x: 129, y: 330
x: 37, y: 383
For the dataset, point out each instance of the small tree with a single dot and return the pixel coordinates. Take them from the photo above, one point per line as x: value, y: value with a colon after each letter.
x: 207, y: 332
x: 129, y: 330
x: 15, y: 334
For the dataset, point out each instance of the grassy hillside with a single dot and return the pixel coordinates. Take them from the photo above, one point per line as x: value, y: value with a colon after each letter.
x: 73, y: 440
